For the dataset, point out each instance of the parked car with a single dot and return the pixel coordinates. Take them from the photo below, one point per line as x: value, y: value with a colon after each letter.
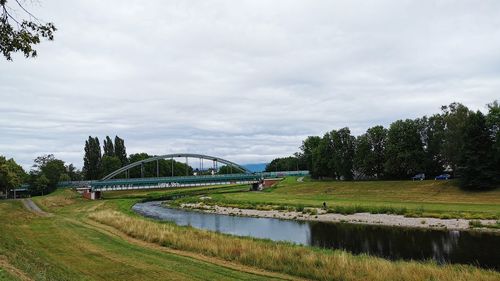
x: 419, y: 177
x: 443, y: 177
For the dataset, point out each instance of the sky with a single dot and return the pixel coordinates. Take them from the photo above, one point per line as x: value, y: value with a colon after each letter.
x: 243, y: 80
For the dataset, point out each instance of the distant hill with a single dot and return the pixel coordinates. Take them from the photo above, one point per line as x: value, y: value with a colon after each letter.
x: 257, y: 167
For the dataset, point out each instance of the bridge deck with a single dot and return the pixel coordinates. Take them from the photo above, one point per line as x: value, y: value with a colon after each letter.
x: 165, y: 182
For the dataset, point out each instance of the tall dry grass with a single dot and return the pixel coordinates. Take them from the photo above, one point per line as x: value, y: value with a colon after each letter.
x: 285, y: 258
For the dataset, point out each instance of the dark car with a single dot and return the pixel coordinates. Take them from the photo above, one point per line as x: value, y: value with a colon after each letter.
x: 443, y: 177
x: 419, y: 177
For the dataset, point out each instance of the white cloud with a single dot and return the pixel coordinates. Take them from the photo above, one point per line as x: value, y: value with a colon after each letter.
x: 245, y: 80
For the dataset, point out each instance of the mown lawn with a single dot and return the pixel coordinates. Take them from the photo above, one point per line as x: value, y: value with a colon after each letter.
x: 5, y: 276
x: 64, y: 247
x: 418, y: 198
x: 94, y: 240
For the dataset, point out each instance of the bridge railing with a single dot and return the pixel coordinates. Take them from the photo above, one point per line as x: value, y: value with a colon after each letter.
x: 191, y: 179
x: 181, y: 179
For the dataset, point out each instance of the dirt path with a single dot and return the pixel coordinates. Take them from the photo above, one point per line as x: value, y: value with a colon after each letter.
x: 32, y: 207
x: 4, y: 264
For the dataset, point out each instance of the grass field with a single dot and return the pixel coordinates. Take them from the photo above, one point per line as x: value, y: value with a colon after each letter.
x: 66, y: 247
x: 412, y: 198
x: 104, y: 240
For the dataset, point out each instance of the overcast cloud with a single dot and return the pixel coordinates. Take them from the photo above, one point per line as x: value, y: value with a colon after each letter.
x: 243, y: 80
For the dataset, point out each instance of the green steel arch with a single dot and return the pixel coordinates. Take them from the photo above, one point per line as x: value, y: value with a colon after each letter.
x: 171, y: 156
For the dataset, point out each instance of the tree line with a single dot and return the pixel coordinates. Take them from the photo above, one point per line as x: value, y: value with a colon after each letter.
x: 98, y: 163
x: 457, y: 140
x: 43, y: 178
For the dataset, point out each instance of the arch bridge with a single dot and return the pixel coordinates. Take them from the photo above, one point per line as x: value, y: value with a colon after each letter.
x: 201, y: 157
x: 241, y: 176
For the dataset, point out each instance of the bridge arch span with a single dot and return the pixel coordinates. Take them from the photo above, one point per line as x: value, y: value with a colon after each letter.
x: 177, y: 155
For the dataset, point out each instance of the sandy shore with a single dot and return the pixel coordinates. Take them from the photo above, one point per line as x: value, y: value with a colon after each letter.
x: 360, y: 218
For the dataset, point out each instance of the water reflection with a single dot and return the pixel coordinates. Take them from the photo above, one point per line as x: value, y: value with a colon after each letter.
x: 389, y: 242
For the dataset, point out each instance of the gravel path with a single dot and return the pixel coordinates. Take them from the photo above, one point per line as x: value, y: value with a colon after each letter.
x: 31, y: 206
x: 361, y: 218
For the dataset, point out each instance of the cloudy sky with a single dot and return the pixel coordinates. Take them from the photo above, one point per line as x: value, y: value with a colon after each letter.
x: 243, y: 80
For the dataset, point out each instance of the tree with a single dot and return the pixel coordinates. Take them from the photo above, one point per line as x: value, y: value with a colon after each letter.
x: 40, y: 184
x: 493, y: 123
x: 20, y: 35
x: 41, y: 161
x: 290, y: 163
x: 321, y: 157
x: 121, y: 151
x: 370, y: 155
x: 227, y: 169
x: 307, y: 148
x: 454, y: 118
x: 46, y: 173
x: 92, y: 159
x: 164, y: 167
x: 53, y: 171
x: 64, y: 178
x: 110, y: 164
x: 477, y: 167
x: 405, y: 151
x: 11, y: 174
x: 432, y: 131
x: 73, y: 173
x: 342, y: 148
x: 108, y: 147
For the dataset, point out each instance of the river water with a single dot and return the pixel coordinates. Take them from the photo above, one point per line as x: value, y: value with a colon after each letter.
x: 444, y: 246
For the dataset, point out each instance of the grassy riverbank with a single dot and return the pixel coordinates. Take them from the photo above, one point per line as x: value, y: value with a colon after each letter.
x: 69, y: 246
x: 440, y: 199
x: 104, y: 240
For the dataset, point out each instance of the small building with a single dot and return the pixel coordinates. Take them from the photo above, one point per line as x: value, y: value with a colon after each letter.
x: 19, y: 193
x: 89, y: 194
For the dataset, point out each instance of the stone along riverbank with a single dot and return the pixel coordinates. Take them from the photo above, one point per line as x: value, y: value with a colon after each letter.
x: 317, y: 214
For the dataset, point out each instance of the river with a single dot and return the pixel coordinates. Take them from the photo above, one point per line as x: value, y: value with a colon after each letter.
x: 394, y: 243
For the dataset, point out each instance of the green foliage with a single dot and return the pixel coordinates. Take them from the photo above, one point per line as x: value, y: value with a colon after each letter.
x: 290, y: 163
x: 121, y: 151
x: 53, y: 170
x: 454, y: 117
x: 432, y: 132
x: 227, y: 169
x: 73, y: 173
x: 342, y: 145
x: 430, y: 145
x: 405, y: 153
x: 493, y: 124
x: 64, y: 177
x: 11, y: 174
x: 40, y: 185
x: 164, y: 167
x: 108, y: 147
x: 308, y: 147
x: 110, y: 164
x: 46, y: 174
x: 478, y: 169
x: 19, y: 35
x: 92, y: 159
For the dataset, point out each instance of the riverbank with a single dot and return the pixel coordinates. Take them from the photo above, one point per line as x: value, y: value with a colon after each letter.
x: 84, y: 239
x: 318, y: 214
x: 414, y: 199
